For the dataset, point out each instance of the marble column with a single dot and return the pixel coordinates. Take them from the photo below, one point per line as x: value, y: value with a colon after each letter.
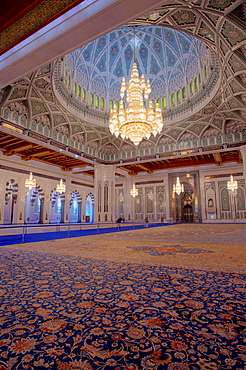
x: 104, y: 185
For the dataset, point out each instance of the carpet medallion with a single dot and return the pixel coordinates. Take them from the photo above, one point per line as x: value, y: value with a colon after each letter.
x: 67, y: 312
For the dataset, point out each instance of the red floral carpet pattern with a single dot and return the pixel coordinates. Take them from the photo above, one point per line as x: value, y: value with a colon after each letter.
x: 67, y: 313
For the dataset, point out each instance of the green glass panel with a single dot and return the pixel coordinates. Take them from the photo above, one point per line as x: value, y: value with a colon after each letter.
x: 102, y: 103
x: 83, y: 94
x: 191, y: 87
x: 164, y: 101
x: 178, y: 96
x: 96, y: 101
x: 196, y: 83
x: 173, y: 98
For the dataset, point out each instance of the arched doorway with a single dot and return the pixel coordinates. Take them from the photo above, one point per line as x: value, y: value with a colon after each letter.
x: 188, y: 213
x: 89, y: 208
x: 187, y: 203
x: 183, y: 203
x: 75, y: 208
x: 10, y: 202
x: 34, y: 206
x: 57, y: 207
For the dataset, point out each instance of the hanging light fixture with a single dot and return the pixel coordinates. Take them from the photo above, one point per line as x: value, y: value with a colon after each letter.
x: 178, y: 188
x: 135, y: 122
x: 134, y: 191
x: 61, y: 188
x: 30, y: 182
x: 232, y: 184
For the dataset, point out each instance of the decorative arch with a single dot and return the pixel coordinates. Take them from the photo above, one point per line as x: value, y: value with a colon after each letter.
x: 166, y: 144
x: 34, y: 205
x: 75, y: 204
x: 89, y: 208
x: 187, y: 202
x: 11, y: 189
x: 11, y: 193
x: 209, y: 135
x: 37, y: 191
x: 57, y: 201
x: 53, y: 195
x: 186, y: 140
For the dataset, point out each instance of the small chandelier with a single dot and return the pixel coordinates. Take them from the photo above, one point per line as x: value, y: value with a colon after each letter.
x: 135, y: 122
x: 61, y: 188
x: 232, y: 184
x: 178, y: 188
x: 134, y: 191
x: 31, y: 182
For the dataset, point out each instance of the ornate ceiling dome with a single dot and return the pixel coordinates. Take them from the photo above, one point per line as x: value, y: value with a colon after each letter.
x: 181, y: 70
x: 68, y: 100
x: 168, y: 58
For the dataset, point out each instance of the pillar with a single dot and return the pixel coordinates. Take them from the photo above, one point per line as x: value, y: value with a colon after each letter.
x: 104, y: 185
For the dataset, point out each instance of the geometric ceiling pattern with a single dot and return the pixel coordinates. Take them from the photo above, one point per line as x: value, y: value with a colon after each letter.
x: 166, y: 57
x: 220, y: 25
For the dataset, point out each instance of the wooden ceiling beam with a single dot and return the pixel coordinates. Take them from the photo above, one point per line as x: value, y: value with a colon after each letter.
x: 125, y: 168
x: 34, y: 156
x: 14, y: 151
x: 21, y: 146
x: 53, y: 155
x: 89, y: 173
x: 40, y: 153
x: 217, y: 158
x: 144, y: 168
x: 119, y: 174
x: 9, y: 139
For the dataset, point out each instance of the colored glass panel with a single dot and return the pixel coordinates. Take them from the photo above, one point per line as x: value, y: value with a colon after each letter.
x: 173, y: 98
x: 164, y: 101
x: 96, y: 101
x: 192, y: 87
x: 178, y: 96
x: 102, y: 103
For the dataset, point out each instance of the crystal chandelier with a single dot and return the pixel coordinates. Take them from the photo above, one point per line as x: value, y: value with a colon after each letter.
x: 135, y: 122
x: 61, y: 188
x: 30, y: 182
x: 134, y: 191
x: 178, y: 188
x: 232, y: 184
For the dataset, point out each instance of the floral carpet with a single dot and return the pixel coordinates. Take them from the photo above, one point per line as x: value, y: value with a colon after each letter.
x: 68, y: 312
